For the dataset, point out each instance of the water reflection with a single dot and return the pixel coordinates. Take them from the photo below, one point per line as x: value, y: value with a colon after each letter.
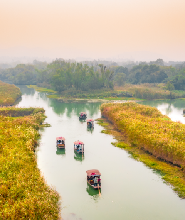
x: 82, y: 120
x: 58, y: 107
x: 74, y: 108
x: 177, y: 103
x: 78, y: 157
x: 94, y: 193
x: 42, y: 95
x: 61, y: 151
x: 171, y: 108
x: 90, y: 129
x: 26, y: 91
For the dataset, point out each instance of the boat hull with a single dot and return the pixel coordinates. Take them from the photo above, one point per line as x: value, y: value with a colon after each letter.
x: 61, y: 146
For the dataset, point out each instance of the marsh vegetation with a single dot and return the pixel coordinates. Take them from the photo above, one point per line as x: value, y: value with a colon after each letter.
x: 24, y: 193
x: 145, y: 131
x: 8, y: 94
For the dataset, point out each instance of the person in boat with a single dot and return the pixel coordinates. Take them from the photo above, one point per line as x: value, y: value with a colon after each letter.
x: 95, y: 181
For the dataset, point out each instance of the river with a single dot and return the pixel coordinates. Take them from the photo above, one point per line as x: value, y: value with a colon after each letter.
x: 130, y: 190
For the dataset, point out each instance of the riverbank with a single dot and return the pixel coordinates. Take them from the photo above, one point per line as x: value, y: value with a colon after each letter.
x: 146, y: 91
x: 83, y: 96
x: 150, y: 137
x: 151, y: 91
x: 24, y: 193
x: 9, y: 93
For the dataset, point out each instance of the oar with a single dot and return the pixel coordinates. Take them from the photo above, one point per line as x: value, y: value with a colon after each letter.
x: 99, y: 190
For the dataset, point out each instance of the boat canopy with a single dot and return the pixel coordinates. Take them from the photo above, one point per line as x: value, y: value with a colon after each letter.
x: 90, y: 120
x: 78, y: 142
x: 60, y: 138
x: 83, y: 113
x: 93, y: 172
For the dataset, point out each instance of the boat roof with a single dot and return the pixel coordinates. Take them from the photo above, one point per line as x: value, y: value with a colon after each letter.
x: 78, y: 142
x: 90, y: 120
x: 60, y: 138
x: 83, y: 113
x: 93, y: 172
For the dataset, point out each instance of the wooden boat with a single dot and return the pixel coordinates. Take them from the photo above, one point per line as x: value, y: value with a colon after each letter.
x: 79, y: 147
x: 90, y: 123
x: 60, y: 142
x: 83, y: 115
x: 93, y: 178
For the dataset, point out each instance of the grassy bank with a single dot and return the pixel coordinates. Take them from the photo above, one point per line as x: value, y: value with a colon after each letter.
x: 41, y: 89
x: 23, y: 191
x: 151, y: 91
x: 92, y: 94
x: 146, y: 91
x: 20, y: 112
x: 150, y: 137
x: 8, y: 94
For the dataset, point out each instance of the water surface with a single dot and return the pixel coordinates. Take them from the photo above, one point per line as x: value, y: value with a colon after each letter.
x: 130, y: 190
x: 173, y: 108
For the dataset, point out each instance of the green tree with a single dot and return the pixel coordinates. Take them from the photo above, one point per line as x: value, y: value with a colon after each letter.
x: 170, y: 86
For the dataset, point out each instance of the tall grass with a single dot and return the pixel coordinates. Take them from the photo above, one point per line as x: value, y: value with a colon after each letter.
x: 147, y: 91
x: 8, y: 94
x: 23, y: 191
x: 147, y: 128
x: 18, y: 112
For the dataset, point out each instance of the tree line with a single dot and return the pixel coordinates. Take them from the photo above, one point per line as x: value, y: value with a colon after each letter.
x: 62, y: 75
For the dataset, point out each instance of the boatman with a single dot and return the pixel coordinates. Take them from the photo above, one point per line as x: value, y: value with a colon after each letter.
x: 95, y: 181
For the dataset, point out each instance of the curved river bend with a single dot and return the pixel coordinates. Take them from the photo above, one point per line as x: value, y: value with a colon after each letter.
x: 130, y: 190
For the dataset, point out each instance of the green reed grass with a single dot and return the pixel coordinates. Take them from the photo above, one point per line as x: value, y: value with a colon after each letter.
x: 24, y: 193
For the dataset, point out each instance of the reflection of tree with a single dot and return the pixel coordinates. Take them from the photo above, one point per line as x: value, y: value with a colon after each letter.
x: 25, y: 90
x: 93, y: 108
x: 90, y: 108
x: 177, y: 103
x: 168, y: 109
x: 78, y: 107
x: 90, y: 129
x: 78, y: 157
x: 154, y: 103
x: 58, y: 107
x: 70, y: 108
x: 42, y: 95
x: 94, y: 193
x: 74, y: 108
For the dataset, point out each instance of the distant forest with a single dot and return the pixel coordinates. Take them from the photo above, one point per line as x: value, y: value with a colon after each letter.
x: 62, y: 75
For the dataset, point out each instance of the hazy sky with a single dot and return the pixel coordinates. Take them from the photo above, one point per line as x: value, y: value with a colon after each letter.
x: 120, y: 29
